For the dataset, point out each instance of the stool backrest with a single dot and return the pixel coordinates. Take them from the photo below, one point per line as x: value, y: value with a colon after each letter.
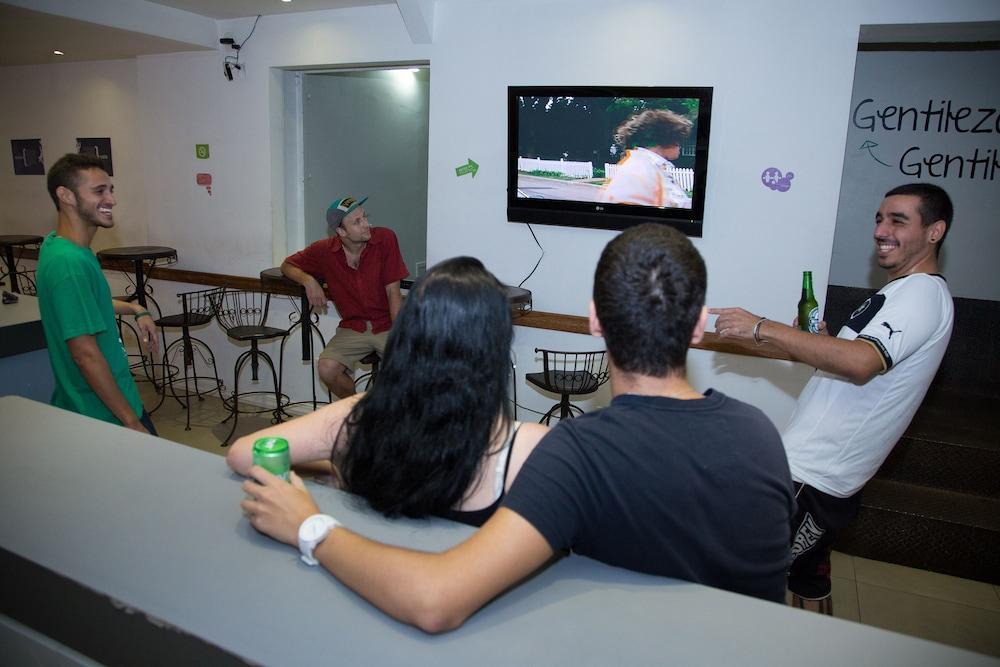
x: 574, y: 372
x: 202, y: 302
x: 243, y: 308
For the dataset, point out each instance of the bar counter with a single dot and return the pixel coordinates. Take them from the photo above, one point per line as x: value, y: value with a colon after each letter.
x: 24, y: 359
x: 153, y: 532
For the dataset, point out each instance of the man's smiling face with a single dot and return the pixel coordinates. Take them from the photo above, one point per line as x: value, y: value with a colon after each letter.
x: 902, y: 240
x: 95, y: 197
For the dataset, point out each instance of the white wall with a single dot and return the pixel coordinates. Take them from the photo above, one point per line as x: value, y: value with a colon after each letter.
x: 782, y: 74
x: 59, y: 103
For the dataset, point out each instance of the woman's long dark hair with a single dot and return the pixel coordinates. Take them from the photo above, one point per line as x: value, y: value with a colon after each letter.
x: 416, y: 440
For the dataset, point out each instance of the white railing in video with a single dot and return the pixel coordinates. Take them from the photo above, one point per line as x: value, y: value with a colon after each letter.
x: 564, y: 167
x: 683, y: 177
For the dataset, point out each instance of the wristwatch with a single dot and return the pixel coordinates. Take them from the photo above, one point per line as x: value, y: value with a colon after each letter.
x: 313, y: 531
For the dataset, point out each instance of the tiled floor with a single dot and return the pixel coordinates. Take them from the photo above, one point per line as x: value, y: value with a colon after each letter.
x: 915, y: 602
x: 924, y: 604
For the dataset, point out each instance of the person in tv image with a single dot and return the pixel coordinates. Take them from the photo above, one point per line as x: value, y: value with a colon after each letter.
x: 89, y: 362
x: 362, y: 267
x: 870, y: 379
x: 434, y: 435
x: 665, y: 481
x: 644, y: 176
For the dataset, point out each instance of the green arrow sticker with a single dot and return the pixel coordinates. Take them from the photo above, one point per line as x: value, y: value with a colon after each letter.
x: 468, y: 168
x: 201, y: 151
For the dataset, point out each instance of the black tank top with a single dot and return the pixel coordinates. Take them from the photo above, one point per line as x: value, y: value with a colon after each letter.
x: 479, y: 517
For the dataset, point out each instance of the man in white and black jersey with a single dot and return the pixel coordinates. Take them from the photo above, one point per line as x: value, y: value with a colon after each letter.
x: 869, y: 380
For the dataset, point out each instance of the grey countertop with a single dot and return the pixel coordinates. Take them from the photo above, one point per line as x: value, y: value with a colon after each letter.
x: 157, y: 527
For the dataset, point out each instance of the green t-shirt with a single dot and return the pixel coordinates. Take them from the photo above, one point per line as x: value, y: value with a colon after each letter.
x: 75, y: 300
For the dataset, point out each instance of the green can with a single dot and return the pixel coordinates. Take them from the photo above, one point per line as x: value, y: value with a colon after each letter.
x: 272, y: 455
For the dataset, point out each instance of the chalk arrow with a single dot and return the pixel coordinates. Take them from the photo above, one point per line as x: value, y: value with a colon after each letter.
x: 870, y: 145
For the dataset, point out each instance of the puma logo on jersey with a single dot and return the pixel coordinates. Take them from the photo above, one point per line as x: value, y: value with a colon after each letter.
x: 891, y: 330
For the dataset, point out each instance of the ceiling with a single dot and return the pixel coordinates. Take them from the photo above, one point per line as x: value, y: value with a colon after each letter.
x: 235, y: 9
x: 28, y: 37
x: 983, y: 31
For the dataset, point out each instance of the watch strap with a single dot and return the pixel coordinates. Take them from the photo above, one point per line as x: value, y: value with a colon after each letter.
x: 319, y: 525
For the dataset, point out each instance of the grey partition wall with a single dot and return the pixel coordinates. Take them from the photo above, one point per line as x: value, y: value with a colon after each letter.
x: 365, y: 132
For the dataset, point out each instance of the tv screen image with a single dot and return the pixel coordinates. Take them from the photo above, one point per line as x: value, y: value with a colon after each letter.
x: 608, y: 157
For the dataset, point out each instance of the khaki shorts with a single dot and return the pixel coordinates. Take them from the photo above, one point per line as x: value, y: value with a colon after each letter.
x: 348, y: 347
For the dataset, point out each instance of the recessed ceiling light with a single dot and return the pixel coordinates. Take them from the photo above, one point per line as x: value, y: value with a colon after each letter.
x: 286, y: 0
x: 57, y: 52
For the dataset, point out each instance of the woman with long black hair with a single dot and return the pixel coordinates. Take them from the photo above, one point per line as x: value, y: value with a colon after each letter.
x: 434, y: 435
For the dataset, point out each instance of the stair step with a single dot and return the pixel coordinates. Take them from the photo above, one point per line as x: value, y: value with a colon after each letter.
x: 931, y: 529
x: 943, y: 465
x: 953, y: 443
x: 959, y: 418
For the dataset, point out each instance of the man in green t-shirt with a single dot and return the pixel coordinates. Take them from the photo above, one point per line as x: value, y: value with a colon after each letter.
x: 89, y: 362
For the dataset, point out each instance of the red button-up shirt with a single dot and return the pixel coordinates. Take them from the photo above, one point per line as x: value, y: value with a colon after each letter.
x: 359, y: 294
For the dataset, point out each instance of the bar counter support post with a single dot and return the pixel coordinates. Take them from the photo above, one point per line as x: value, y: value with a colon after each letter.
x: 11, y: 274
x: 140, y: 283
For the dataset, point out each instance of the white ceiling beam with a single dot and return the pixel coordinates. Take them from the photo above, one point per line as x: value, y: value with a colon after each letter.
x: 418, y: 16
x: 135, y: 15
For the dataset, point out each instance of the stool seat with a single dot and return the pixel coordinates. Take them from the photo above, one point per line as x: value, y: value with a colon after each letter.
x: 578, y: 382
x: 255, y: 332
x: 184, y: 319
x: 370, y: 359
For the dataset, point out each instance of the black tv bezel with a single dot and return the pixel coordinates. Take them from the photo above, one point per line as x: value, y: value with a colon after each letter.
x: 600, y: 215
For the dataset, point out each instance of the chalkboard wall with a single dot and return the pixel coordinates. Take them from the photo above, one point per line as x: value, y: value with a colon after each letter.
x: 932, y: 117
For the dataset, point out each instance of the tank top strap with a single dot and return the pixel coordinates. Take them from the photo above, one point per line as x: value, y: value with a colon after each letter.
x: 503, y: 461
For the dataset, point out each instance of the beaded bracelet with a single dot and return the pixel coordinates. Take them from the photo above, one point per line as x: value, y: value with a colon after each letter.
x: 756, y: 331
x: 141, y: 313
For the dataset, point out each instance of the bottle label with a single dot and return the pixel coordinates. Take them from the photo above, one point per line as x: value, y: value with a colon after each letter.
x: 814, y: 320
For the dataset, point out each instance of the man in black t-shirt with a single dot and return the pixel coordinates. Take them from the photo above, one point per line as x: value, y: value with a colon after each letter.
x: 666, y: 480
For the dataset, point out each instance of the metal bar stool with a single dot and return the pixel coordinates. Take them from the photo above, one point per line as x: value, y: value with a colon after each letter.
x: 198, y: 309
x: 569, y: 374
x: 148, y: 365
x: 371, y: 359
x: 243, y: 314
x: 19, y: 282
x: 303, y: 318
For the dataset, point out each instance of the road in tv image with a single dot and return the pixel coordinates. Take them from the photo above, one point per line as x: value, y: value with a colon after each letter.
x: 607, y: 149
x: 585, y: 190
x: 538, y: 187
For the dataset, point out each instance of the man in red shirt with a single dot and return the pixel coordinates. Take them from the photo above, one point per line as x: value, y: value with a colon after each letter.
x: 361, y: 266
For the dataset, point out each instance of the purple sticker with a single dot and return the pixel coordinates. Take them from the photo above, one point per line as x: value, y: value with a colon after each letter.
x: 773, y: 179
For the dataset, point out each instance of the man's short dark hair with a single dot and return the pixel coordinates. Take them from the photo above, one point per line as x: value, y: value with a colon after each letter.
x: 935, y: 204
x: 649, y: 289
x: 66, y: 172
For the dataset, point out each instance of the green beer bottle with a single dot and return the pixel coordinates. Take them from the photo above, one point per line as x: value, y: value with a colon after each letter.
x: 272, y: 455
x: 808, y: 308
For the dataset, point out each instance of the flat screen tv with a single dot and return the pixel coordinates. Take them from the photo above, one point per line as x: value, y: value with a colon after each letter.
x: 608, y: 157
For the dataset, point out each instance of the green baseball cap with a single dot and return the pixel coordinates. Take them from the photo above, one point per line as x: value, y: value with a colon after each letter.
x: 340, y: 208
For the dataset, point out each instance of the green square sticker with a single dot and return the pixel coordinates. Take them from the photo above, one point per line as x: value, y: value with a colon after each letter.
x: 201, y: 151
